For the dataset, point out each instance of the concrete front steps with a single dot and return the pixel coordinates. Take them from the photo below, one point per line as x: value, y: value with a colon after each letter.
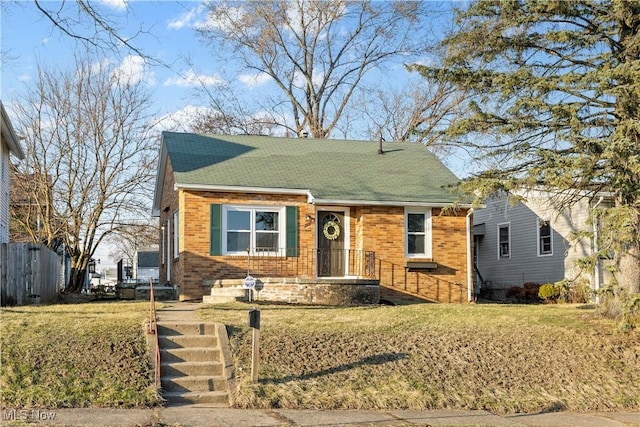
x: 195, y: 363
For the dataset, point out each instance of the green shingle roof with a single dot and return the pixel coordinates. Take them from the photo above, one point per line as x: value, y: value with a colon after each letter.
x: 339, y: 170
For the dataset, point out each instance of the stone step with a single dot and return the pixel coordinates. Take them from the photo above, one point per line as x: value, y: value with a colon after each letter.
x: 212, y: 398
x: 186, y: 328
x: 194, y: 384
x: 183, y: 341
x: 191, y: 368
x: 193, y: 354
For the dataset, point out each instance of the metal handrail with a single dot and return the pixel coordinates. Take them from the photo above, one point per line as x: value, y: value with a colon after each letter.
x: 153, y: 329
x: 279, y: 263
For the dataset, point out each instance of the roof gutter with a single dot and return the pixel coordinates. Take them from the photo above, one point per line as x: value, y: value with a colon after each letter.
x: 242, y: 189
x: 338, y: 202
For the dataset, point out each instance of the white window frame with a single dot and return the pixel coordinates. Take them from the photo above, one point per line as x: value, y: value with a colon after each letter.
x: 539, y: 237
x: 168, y: 234
x: 506, y: 225
x: 282, y: 228
x: 163, y: 243
x: 176, y: 237
x: 427, y: 232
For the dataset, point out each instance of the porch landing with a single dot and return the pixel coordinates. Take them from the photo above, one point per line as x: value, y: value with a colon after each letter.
x: 320, y: 291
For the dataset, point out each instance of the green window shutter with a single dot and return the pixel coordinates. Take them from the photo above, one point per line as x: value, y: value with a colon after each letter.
x: 216, y: 230
x: 292, y: 231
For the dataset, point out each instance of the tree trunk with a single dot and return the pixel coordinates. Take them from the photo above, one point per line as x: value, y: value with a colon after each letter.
x: 629, y: 269
x: 76, y: 280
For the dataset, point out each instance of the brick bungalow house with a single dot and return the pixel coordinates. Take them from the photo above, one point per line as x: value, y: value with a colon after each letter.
x: 311, y: 219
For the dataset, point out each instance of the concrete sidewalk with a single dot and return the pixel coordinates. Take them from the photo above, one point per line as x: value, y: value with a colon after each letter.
x: 194, y: 415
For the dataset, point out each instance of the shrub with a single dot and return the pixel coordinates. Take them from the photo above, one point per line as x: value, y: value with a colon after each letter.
x: 573, y: 291
x: 530, y: 292
x: 549, y: 292
x: 515, y: 292
x: 527, y: 293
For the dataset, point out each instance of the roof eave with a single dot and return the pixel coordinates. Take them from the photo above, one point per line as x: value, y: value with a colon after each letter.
x: 9, y: 135
x: 310, y: 198
x: 162, y: 165
x: 243, y: 189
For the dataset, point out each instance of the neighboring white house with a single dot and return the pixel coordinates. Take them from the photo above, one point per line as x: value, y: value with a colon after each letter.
x: 9, y: 145
x: 147, y: 265
x: 534, y: 241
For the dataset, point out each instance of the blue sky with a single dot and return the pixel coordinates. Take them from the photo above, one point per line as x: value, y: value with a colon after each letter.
x: 28, y: 38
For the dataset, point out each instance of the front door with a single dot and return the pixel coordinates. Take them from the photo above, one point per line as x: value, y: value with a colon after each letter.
x: 331, y: 255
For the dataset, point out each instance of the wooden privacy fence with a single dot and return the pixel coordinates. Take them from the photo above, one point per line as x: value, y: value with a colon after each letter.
x: 30, y: 273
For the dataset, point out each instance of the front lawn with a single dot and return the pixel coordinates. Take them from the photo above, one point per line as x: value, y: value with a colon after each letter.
x: 76, y: 355
x: 501, y: 358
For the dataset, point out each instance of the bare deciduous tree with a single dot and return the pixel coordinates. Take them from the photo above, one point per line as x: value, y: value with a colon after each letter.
x: 83, y: 21
x: 132, y: 237
x: 316, y: 52
x: 87, y: 145
x: 418, y: 112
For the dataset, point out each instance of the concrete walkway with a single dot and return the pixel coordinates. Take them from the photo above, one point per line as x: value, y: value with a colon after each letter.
x: 196, y: 416
x: 177, y: 311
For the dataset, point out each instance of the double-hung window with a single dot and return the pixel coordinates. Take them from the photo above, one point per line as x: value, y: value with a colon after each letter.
x: 176, y: 237
x: 257, y: 229
x: 418, y: 233
x: 545, y: 246
x: 504, y: 241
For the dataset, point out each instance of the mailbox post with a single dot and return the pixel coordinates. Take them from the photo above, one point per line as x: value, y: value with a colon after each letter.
x: 254, y: 323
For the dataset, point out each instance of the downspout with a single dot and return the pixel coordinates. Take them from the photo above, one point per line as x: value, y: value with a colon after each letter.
x: 596, y: 269
x: 469, y: 257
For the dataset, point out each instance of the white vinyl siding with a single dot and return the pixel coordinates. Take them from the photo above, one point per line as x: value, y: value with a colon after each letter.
x: 4, y: 193
x: 523, y: 264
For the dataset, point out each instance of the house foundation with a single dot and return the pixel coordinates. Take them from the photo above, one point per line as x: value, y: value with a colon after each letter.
x: 335, y: 292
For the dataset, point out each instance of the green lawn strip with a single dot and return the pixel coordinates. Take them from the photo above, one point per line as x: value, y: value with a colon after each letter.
x: 501, y: 358
x: 76, y: 355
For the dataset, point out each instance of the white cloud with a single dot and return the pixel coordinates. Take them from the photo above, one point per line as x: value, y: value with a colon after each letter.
x: 132, y: 70
x: 180, y: 121
x: 120, y: 5
x: 221, y: 22
x: 185, y: 19
x: 254, y: 80
x: 191, y: 79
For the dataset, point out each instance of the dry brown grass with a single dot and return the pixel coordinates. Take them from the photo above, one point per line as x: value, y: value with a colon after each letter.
x: 501, y: 358
x: 76, y: 355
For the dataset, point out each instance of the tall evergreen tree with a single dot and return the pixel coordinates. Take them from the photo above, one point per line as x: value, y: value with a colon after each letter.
x: 556, y: 102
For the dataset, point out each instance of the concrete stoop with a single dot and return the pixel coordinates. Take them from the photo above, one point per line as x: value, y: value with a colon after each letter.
x: 195, y: 365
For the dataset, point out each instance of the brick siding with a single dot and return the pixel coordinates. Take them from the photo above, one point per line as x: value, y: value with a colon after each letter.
x: 372, y: 228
